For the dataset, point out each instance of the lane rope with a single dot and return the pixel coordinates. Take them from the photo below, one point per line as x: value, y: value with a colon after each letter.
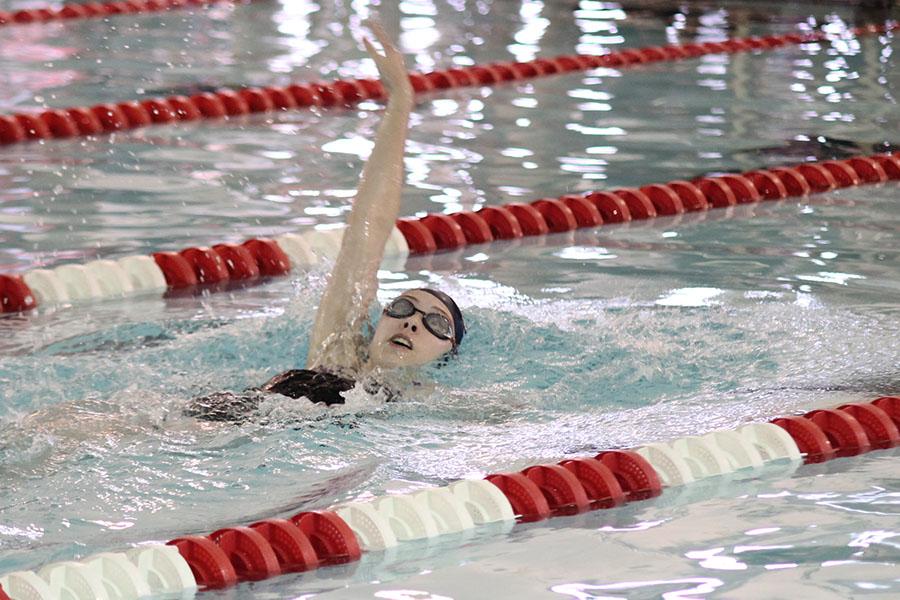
x: 225, y: 103
x: 215, y: 268
x: 88, y: 10
x: 340, y: 534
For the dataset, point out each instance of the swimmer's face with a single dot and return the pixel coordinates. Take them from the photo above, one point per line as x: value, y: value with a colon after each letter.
x: 408, y: 341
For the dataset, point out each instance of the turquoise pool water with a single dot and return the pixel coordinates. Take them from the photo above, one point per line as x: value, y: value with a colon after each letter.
x: 578, y: 342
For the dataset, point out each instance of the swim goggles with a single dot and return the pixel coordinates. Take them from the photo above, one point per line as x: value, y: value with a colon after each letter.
x: 437, y: 324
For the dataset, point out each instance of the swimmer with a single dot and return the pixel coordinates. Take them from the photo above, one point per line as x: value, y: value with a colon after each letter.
x: 417, y: 328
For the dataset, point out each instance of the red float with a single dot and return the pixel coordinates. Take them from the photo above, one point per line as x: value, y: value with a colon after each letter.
x: 524, y: 70
x: 304, y: 95
x: 208, y: 562
x: 743, y: 189
x: 233, y: 103
x: 639, y: 205
x: 3, y: 595
x: 280, y: 98
x: 879, y: 428
x: 891, y: 406
x: 159, y: 110
x: 418, y: 237
x: 58, y: 123
x: 665, y: 201
x: 209, y: 105
x: 770, y: 186
x: 176, y: 269
x: 474, y: 227
x: 33, y: 127
x: 350, y: 91
x: 503, y: 223
x: 447, y: 233
x: 794, y: 181
x: 599, y: 483
x: 556, y: 214
x: 15, y: 295
x: 586, y: 214
x: 10, y: 131
x: 841, y: 172
x: 183, y: 108
x: 868, y: 170
x: 331, y: 537
x: 846, y: 435
x: 420, y: 83
x: 716, y: 191
x: 808, y: 436
x: 889, y: 164
x: 439, y: 80
x: 525, y: 497
x: 692, y: 199
x: 818, y: 177
x: 135, y: 114
x: 373, y: 88
x: 238, y: 260
x: 248, y: 551
x: 482, y: 75
x: 611, y: 207
x: 635, y: 475
x: 257, y: 100
x: 530, y: 220
x: 291, y: 546
x: 110, y: 117
x: 269, y: 256
x: 86, y: 122
x: 330, y: 95
x: 561, y: 488
x: 460, y: 77
x: 207, y: 264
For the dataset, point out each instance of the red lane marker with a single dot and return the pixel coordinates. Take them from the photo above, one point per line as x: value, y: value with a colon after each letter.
x: 177, y: 270
x: 10, y: 131
x: 868, y: 170
x: 557, y: 215
x: 639, y: 480
x: 281, y: 98
x: 743, y: 189
x: 599, y: 482
x: 530, y: 220
x: 209, y: 105
x: 524, y: 496
x: 889, y: 164
x: 238, y: 260
x: 561, y: 488
x: 474, y: 227
x: 269, y: 256
x: 256, y: 100
x: 304, y: 95
x: 586, y: 214
x: 208, y: 562
x: 15, y: 295
x: 666, y: 201
x: 183, y: 108
x: 447, y: 233
x: 639, y: 205
x: 808, y: 436
x: 159, y: 110
x: 233, y: 104
x: 331, y: 537
x: 716, y: 191
x: 3, y: 595
x: 503, y: 224
x: 110, y: 117
x: 690, y: 195
x: 879, y: 427
x: 794, y: 181
x: 843, y: 174
x: 207, y: 264
x: 418, y: 237
x: 818, y: 177
x: 846, y: 435
x: 33, y: 127
x: 890, y: 405
x: 86, y: 122
x: 135, y: 114
x: 770, y: 186
x: 611, y: 207
x: 292, y: 548
x: 58, y: 123
x: 248, y: 551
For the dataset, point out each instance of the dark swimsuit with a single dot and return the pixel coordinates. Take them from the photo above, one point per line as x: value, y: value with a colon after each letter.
x: 318, y: 386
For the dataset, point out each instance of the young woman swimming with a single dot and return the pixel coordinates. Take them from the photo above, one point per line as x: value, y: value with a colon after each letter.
x: 416, y: 328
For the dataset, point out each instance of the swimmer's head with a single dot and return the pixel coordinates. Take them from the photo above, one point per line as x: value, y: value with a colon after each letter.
x: 416, y: 328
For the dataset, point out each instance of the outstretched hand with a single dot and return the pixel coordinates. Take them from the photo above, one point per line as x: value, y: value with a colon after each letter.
x: 390, y: 65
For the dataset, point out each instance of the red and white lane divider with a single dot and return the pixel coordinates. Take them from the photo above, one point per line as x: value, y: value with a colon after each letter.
x: 89, y: 10
x: 340, y: 534
x: 111, y: 117
x: 215, y: 266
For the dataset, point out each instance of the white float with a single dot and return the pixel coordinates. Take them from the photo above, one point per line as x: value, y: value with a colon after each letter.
x: 46, y: 286
x: 408, y: 519
x: 26, y: 585
x: 80, y: 283
x: 370, y: 526
x: 163, y: 568
x: 120, y: 577
x: 110, y: 277
x: 74, y: 581
x: 448, y: 511
x: 771, y: 441
x: 143, y: 273
x: 483, y: 500
x: 672, y: 469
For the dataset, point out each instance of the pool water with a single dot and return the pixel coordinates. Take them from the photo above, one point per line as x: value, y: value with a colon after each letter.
x: 577, y: 342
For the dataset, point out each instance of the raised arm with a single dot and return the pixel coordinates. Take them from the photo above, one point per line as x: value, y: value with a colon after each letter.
x: 336, y: 341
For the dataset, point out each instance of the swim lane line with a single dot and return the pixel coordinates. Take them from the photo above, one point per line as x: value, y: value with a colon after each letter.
x: 214, y: 268
x: 102, y: 10
x: 119, y: 116
x: 340, y: 534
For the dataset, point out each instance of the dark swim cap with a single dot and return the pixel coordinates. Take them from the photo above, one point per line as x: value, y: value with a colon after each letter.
x: 459, y: 327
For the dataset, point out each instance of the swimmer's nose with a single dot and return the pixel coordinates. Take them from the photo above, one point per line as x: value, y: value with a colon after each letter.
x: 414, y: 328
